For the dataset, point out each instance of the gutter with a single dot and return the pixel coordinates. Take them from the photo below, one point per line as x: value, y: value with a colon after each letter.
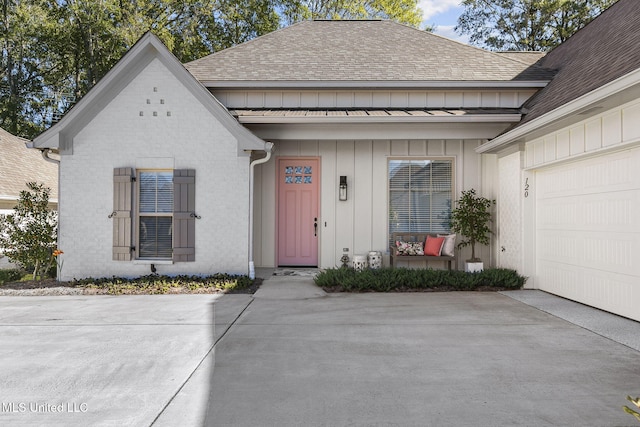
x: 268, y: 147
x: 470, y: 118
x: 372, y: 84
x: 45, y: 155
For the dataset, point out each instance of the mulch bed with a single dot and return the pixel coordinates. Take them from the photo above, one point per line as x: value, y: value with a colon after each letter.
x: 53, y: 284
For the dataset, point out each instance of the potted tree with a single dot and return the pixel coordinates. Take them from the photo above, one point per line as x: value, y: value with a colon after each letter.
x: 471, y: 218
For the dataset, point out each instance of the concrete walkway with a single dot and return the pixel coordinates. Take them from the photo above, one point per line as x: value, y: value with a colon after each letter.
x: 292, y: 355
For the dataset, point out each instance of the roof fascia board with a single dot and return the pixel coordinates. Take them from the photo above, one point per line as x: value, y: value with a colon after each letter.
x: 356, y: 84
x: 574, y: 107
x: 485, y: 118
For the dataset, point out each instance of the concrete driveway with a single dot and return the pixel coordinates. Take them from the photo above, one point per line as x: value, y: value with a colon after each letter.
x: 293, y: 356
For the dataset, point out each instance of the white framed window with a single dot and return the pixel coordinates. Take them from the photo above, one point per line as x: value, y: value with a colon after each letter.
x: 420, y: 194
x: 155, y: 214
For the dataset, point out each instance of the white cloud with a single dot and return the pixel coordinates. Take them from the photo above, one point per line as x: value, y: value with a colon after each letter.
x: 431, y: 8
x: 448, y: 32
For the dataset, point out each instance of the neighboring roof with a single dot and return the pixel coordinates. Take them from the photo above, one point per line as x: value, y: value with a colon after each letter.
x: 527, y: 57
x: 20, y: 165
x: 358, y: 51
x: 148, y: 48
x: 423, y: 115
x: 604, y: 50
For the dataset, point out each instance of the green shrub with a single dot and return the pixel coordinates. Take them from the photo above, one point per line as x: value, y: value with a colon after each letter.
x: 10, y: 275
x: 28, y: 235
x: 403, y: 279
x: 155, y: 284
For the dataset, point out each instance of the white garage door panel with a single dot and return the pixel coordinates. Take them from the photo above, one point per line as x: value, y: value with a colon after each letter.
x: 588, y: 231
x: 617, y: 293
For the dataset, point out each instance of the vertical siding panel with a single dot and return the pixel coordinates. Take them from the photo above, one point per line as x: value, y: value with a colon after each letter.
x: 417, y: 99
x: 255, y: 100
x: 489, y: 100
x: 453, y: 100
x: 435, y: 99
x: 508, y: 100
x: 344, y: 99
x: 268, y: 218
x: 399, y: 99
x: 417, y: 148
x: 436, y: 148
x: 612, y: 128
x: 379, y: 190
x: 454, y: 148
x: 362, y: 196
x: 562, y: 144
x: 236, y: 99
x: 329, y: 253
x: 291, y: 99
x: 593, y: 134
x: 381, y: 99
x: 363, y: 100
x: 471, y: 100
x: 309, y: 99
x: 327, y: 99
x: 577, y: 140
x: 273, y: 99
x: 345, y: 210
x: 631, y: 122
x: 309, y: 148
x: 399, y: 148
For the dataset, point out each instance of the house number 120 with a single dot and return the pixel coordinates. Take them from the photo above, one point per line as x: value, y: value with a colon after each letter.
x: 526, y: 187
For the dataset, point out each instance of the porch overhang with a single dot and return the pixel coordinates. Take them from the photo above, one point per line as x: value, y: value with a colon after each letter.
x: 376, y: 124
x: 370, y: 116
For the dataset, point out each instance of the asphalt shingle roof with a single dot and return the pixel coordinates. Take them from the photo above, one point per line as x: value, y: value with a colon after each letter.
x: 604, y: 50
x: 359, y: 51
x: 19, y: 165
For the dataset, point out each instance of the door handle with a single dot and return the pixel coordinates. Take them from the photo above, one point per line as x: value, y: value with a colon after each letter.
x: 315, y: 227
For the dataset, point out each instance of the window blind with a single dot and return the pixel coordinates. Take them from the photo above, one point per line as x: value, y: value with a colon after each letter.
x: 420, y: 194
x: 155, y: 228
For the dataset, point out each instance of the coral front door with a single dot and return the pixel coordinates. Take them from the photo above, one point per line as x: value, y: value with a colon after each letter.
x: 298, y: 184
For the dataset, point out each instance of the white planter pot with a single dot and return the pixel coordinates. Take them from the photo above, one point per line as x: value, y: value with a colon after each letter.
x: 473, y: 267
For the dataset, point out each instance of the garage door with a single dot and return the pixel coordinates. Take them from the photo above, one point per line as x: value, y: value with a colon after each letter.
x: 588, y: 231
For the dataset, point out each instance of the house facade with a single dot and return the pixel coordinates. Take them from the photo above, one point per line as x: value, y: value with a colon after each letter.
x: 371, y: 103
x: 323, y: 138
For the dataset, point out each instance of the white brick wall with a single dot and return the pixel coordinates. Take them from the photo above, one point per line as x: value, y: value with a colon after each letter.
x: 182, y: 134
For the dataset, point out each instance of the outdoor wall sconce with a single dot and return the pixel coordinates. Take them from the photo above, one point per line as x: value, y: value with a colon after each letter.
x: 342, y: 191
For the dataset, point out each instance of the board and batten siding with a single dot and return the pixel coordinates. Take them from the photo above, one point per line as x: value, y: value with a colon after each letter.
x: 610, y: 130
x: 361, y: 222
x: 372, y: 99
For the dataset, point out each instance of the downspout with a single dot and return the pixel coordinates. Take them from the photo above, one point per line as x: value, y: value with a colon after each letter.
x: 45, y: 155
x: 268, y: 146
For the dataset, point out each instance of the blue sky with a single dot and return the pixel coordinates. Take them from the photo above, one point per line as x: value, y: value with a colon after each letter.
x: 444, y: 15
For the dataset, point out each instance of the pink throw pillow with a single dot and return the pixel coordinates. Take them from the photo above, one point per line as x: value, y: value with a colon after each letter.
x: 433, y: 246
